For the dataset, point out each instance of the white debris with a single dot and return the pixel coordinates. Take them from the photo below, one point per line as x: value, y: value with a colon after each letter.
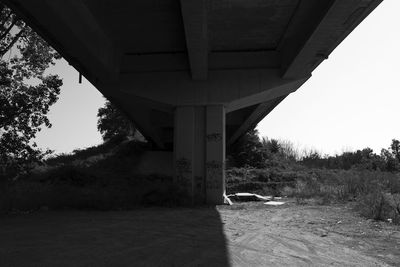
x: 243, y: 194
x: 274, y: 203
x: 249, y: 197
x: 227, y: 200
x: 263, y: 198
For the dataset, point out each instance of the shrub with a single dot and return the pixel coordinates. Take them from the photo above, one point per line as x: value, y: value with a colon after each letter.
x: 379, y: 205
x: 262, y: 181
x: 123, y: 194
x: 111, y: 182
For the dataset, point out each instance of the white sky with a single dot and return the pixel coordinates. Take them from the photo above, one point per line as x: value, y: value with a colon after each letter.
x: 353, y: 99
x: 351, y: 102
x: 74, y: 115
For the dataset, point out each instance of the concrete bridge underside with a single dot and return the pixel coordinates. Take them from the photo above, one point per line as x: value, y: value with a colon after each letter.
x: 195, y: 75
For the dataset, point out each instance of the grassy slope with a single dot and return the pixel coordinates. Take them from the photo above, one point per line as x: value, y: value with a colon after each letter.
x: 103, y: 177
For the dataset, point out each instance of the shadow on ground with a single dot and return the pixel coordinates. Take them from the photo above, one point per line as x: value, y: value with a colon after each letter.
x: 145, y: 237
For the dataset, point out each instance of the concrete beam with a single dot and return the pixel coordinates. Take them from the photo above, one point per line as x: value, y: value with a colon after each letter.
x: 267, y: 95
x: 254, y: 118
x: 233, y: 88
x: 194, y: 13
x: 269, y: 59
x: 317, y: 28
x: 173, y: 62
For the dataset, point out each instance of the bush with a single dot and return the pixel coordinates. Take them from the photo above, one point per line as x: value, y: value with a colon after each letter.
x: 34, y: 195
x: 382, y: 206
x: 378, y: 193
x: 261, y: 181
x: 110, y: 182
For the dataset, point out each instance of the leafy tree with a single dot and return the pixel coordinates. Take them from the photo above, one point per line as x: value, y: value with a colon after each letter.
x: 391, y: 161
x: 395, y: 148
x: 26, y: 92
x: 367, y: 153
x: 288, y: 151
x: 361, y: 159
x: 272, y: 145
x: 248, y: 150
x: 312, y: 158
x: 113, y: 123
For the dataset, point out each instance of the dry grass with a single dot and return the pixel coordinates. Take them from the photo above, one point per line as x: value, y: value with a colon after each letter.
x: 377, y: 193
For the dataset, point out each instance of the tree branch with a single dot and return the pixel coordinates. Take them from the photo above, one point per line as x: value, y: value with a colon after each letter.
x: 7, y: 31
x: 15, y: 39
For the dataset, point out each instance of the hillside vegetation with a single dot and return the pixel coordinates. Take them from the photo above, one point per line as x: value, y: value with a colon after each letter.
x: 273, y: 167
x: 105, y: 177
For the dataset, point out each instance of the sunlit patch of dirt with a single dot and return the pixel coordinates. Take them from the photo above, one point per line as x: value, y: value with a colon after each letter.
x: 304, y: 235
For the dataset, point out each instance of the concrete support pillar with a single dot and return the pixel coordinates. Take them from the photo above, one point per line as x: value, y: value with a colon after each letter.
x: 215, y: 154
x: 199, y: 153
x: 183, y: 149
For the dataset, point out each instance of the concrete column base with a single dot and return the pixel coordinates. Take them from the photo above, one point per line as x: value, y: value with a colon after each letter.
x: 199, y: 153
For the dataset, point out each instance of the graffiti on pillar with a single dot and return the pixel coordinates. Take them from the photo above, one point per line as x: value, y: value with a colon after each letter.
x: 183, y: 169
x: 214, y: 173
x: 214, y: 137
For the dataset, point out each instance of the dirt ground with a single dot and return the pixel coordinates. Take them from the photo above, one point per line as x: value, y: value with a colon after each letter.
x: 309, y: 235
x: 245, y: 234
